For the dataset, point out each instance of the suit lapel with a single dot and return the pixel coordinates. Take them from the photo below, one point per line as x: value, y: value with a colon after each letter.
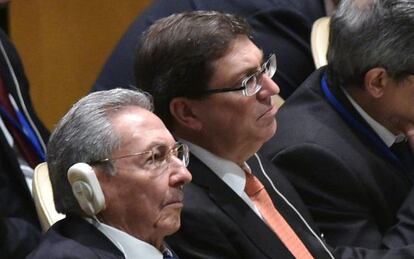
x: 233, y: 206
x: 83, y: 232
x: 285, y: 188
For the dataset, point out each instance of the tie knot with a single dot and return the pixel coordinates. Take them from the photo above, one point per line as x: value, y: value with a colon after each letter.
x: 253, y: 185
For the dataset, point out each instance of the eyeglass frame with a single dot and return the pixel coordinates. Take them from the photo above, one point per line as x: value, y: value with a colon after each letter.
x: 243, y: 87
x: 185, y: 160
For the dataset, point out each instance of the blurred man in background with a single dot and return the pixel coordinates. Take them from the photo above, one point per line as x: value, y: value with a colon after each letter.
x: 22, y: 147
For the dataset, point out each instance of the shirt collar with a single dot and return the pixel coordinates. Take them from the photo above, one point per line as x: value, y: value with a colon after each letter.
x: 226, y: 170
x: 130, y: 246
x: 387, y: 136
x: 229, y: 172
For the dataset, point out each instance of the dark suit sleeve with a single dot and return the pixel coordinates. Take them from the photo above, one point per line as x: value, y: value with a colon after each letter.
x: 312, y: 169
x: 203, y: 233
x: 18, y: 238
x: 364, y: 253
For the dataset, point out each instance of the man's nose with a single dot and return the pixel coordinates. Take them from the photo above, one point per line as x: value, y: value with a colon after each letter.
x: 179, y: 175
x: 269, y: 87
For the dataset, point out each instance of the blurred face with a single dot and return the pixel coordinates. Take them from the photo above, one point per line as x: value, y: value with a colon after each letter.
x: 398, y: 104
x: 143, y: 199
x: 234, y: 126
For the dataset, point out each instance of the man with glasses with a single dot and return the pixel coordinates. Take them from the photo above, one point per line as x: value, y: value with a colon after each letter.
x: 117, y: 173
x: 342, y: 135
x: 212, y: 87
x: 280, y: 26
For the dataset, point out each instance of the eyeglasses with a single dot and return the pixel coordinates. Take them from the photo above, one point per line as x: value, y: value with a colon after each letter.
x: 158, y: 156
x: 251, y: 84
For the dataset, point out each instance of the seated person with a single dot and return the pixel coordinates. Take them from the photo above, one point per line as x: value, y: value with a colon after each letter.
x: 22, y: 147
x: 117, y: 174
x: 280, y: 26
x: 339, y: 134
x: 212, y: 87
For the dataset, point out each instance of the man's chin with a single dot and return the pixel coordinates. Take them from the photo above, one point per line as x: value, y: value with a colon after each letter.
x: 270, y: 131
x: 169, y: 223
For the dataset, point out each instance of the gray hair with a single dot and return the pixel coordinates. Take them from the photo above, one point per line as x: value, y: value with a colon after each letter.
x: 371, y: 33
x: 85, y: 134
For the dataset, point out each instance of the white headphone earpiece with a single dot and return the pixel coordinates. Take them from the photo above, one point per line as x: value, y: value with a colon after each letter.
x: 86, y: 188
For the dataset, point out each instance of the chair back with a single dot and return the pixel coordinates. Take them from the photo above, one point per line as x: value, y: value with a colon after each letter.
x: 43, y: 197
x: 320, y: 40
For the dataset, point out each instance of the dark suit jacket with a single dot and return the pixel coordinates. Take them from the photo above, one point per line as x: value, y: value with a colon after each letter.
x: 19, y: 226
x: 216, y: 223
x: 281, y: 27
x: 73, y: 237
x: 356, y: 196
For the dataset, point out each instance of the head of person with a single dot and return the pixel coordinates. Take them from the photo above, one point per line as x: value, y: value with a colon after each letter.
x: 371, y: 54
x: 211, y: 84
x: 139, y: 167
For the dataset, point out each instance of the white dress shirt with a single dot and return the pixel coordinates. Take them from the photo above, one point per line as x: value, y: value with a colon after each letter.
x: 229, y: 172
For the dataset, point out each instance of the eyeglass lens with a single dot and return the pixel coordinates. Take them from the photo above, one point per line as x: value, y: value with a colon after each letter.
x: 252, y: 83
x: 162, y: 154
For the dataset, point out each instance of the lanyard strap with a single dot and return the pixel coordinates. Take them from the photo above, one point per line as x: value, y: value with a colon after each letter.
x: 351, y: 120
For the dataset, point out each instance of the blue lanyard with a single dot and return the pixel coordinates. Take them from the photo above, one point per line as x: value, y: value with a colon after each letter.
x: 349, y: 118
x: 23, y: 127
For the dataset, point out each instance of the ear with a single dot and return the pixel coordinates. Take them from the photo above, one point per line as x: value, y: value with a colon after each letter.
x: 375, y: 81
x: 185, y: 113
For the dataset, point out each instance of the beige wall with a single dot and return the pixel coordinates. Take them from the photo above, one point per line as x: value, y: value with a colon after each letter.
x: 63, y: 45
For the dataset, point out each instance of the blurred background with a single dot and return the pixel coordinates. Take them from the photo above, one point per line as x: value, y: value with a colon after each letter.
x: 64, y: 44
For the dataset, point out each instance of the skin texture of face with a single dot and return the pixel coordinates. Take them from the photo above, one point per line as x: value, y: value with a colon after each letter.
x: 398, y: 104
x: 143, y: 203
x: 234, y: 126
x: 388, y: 101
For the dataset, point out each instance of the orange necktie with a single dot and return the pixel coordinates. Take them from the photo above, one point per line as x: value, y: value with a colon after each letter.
x: 258, y: 194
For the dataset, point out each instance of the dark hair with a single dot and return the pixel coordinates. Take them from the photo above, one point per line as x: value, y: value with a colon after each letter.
x: 371, y: 33
x: 85, y: 134
x: 176, y: 54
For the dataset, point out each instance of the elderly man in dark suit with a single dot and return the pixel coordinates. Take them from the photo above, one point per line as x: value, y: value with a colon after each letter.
x: 341, y: 139
x: 117, y: 173
x: 280, y: 26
